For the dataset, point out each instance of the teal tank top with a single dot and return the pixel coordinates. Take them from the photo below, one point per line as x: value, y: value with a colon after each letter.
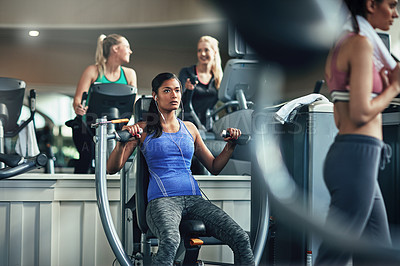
x: 103, y: 79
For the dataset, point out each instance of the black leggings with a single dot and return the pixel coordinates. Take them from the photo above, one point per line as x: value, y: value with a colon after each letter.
x: 83, y: 140
x: 350, y: 174
x: 164, y: 215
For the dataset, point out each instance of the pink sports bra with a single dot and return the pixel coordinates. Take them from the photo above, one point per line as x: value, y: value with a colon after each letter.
x: 338, y: 83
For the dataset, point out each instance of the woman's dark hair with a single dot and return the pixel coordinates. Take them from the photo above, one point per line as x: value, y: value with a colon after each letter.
x: 153, y: 121
x: 357, y: 7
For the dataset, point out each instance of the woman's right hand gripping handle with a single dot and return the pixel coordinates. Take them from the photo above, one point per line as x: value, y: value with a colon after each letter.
x: 81, y: 108
x: 128, y: 139
x: 129, y: 133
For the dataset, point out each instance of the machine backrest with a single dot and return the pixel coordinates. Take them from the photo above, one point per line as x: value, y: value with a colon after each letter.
x: 142, y: 173
x: 142, y: 183
x: 141, y: 107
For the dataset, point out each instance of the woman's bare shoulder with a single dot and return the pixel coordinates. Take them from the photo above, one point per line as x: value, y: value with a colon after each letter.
x: 92, y: 69
x: 189, y: 125
x: 128, y: 70
x: 358, y: 43
x: 130, y: 75
x: 355, y: 49
x: 192, y: 128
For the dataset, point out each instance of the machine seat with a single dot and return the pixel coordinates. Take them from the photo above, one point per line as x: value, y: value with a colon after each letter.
x: 192, y: 227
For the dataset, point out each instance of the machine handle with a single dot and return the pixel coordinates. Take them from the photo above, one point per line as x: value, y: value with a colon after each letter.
x: 242, y: 140
x: 84, y: 98
x: 318, y: 85
x: 32, y: 102
x: 83, y: 102
x: 124, y: 135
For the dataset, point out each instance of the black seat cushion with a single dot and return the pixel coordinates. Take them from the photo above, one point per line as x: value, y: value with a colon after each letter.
x: 192, y: 227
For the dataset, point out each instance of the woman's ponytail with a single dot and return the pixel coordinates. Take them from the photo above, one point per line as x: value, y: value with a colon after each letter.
x: 104, y: 44
x: 100, y: 59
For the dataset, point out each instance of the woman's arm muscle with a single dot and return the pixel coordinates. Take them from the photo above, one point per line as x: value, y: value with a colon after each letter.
x: 89, y: 76
x: 362, y: 108
x: 213, y: 164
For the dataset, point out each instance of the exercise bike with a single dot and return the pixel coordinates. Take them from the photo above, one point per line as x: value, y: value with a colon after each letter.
x: 11, y: 98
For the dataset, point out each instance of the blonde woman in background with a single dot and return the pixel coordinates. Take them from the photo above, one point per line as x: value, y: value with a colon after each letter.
x: 201, y: 83
x: 112, y: 52
x: 203, y: 79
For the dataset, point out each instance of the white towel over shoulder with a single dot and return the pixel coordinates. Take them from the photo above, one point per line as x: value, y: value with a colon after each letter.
x: 382, y: 57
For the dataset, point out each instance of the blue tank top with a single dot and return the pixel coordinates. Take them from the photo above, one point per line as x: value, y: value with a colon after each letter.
x: 169, y: 158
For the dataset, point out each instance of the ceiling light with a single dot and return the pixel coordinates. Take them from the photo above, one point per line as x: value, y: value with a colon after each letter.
x: 33, y: 33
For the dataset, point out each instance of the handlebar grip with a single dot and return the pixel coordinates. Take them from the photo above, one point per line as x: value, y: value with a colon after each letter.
x: 318, y: 85
x: 242, y: 140
x: 124, y: 135
x: 32, y: 100
x: 83, y: 101
x: 193, y: 79
x: 84, y: 98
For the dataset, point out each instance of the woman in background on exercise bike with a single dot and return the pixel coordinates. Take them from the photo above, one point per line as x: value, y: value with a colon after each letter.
x: 201, y: 83
x: 112, y: 52
x: 203, y: 79
x: 168, y: 145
